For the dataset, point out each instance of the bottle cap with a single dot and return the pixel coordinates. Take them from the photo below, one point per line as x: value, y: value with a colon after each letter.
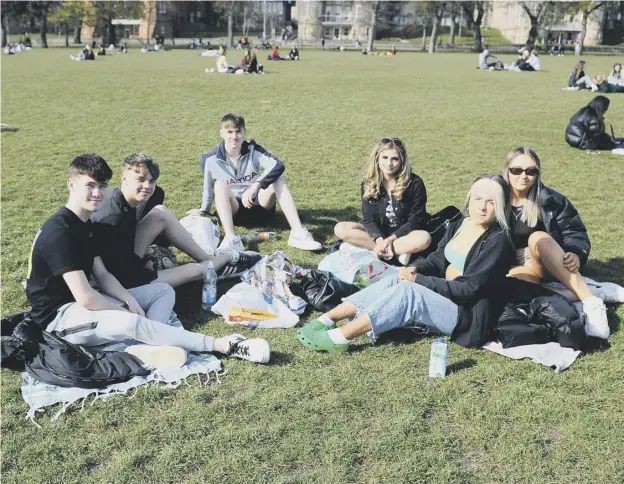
x: 210, y: 265
x: 440, y: 340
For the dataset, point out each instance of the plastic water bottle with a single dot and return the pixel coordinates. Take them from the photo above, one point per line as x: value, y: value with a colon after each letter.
x: 258, y: 237
x: 437, y: 361
x: 209, y: 290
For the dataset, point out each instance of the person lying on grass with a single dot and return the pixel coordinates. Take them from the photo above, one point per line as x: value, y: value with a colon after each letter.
x: 394, y: 206
x: 245, y: 181
x: 66, y: 253
x: 455, y: 290
x: 549, y: 236
x: 130, y: 236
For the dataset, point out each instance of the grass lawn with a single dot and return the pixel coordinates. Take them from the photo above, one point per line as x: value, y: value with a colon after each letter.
x: 371, y: 415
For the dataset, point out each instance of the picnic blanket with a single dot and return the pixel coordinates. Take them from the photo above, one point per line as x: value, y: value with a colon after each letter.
x: 552, y: 355
x: 40, y: 395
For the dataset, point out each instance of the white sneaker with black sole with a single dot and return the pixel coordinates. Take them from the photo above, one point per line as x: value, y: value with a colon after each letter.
x: 241, y: 261
x: 160, y: 357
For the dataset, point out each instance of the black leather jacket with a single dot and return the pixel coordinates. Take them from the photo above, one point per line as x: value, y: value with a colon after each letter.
x: 586, y: 131
x: 564, y: 223
x: 410, y: 211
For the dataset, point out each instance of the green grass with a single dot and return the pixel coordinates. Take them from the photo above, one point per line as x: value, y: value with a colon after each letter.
x: 371, y: 415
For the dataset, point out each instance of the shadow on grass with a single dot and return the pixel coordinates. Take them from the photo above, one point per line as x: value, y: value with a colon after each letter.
x: 610, y: 271
x: 461, y: 365
x: 6, y: 129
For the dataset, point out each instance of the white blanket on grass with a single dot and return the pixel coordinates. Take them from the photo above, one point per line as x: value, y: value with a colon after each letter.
x: 39, y: 395
x: 552, y: 355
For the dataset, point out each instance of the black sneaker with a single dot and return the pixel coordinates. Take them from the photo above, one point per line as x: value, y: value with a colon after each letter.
x: 241, y: 262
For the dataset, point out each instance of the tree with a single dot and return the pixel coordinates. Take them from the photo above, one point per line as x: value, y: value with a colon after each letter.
x: 69, y: 14
x: 371, y: 10
x: 474, y: 12
x: 40, y: 11
x: 453, y: 9
x: 437, y: 11
x: 11, y: 11
x: 535, y: 11
x: 102, y: 14
x: 587, y: 8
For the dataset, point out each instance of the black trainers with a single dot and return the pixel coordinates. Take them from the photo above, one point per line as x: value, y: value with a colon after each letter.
x: 241, y: 262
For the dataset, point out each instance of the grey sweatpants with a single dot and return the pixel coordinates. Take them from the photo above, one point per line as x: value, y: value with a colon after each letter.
x: 82, y: 326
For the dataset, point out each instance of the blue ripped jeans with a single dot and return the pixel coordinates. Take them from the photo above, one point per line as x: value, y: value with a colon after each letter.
x: 391, y: 304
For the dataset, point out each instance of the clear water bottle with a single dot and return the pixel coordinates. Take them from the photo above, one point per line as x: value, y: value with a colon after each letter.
x: 437, y: 361
x: 209, y: 291
x: 258, y: 237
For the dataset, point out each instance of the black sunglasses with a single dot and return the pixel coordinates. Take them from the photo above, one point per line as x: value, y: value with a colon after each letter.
x: 529, y: 171
x: 395, y: 141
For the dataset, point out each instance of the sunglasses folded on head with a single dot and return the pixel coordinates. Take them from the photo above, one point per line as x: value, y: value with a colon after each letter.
x: 395, y: 141
x: 529, y: 171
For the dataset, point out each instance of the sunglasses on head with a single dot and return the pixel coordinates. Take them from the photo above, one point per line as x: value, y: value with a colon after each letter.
x: 395, y: 141
x: 529, y: 171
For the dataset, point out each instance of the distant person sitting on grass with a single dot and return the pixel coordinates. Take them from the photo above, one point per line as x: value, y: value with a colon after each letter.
x: 294, y: 53
x: 616, y: 78
x: 254, y: 67
x: 130, y: 223
x: 529, y: 62
x: 85, y: 54
x: 245, y: 61
x: 578, y: 78
x: 66, y: 253
x: 549, y: 237
x: 222, y: 65
x: 392, y: 51
x: 455, y: 291
x: 101, y: 50
x: 275, y: 55
x: 586, y: 129
x: 483, y: 59
x: 394, y: 206
x: 245, y: 181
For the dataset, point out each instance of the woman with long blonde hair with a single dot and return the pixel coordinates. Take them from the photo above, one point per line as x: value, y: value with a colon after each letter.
x: 549, y: 236
x: 394, y: 206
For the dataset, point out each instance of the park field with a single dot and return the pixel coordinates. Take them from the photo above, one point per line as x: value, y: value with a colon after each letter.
x: 371, y: 415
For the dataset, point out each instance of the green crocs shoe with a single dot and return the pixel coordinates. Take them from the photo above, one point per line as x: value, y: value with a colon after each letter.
x: 316, y: 325
x: 320, y: 341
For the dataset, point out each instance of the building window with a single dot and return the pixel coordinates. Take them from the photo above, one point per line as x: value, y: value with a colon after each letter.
x: 345, y: 32
x: 162, y: 7
x: 336, y: 33
x: 192, y: 18
x: 198, y: 16
x: 326, y: 32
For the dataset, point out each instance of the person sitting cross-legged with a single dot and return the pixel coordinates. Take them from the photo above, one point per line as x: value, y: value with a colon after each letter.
x: 245, y: 181
x: 66, y: 253
x: 129, y: 239
x: 455, y: 290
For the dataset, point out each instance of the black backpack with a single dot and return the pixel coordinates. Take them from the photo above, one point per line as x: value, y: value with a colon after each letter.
x: 52, y: 360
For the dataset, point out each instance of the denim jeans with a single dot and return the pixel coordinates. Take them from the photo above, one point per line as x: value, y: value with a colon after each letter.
x: 391, y: 304
x: 81, y: 326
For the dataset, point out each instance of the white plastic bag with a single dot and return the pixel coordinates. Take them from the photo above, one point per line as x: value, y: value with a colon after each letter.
x: 248, y: 297
x: 356, y: 266
x: 203, y: 231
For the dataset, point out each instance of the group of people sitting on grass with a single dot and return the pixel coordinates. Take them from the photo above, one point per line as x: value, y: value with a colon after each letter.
x: 527, y: 61
x: 513, y: 226
x: 613, y: 83
x: 249, y: 64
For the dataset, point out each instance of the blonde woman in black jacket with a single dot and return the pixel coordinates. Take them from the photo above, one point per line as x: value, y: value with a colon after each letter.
x: 456, y: 290
x: 549, y: 236
x: 394, y: 206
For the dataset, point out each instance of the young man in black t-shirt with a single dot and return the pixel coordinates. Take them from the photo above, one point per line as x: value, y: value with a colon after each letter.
x: 129, y: 239
x: 65, y: 254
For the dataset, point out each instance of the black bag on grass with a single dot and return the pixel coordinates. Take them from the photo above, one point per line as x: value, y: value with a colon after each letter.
x: 50, y: 359
x: 515, y: 329
x: 324, y: 291
x: 562, y: 317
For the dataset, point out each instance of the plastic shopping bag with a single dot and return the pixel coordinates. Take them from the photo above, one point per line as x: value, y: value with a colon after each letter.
x: 204, y: 232
x: 245, y: 297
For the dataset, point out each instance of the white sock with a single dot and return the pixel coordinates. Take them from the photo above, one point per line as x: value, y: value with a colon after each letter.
x: 337, y: 337
x: 325, y: 320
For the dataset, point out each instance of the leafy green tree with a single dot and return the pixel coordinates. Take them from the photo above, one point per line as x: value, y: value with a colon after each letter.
x: 69, y: 14
x: 40, y: 11
x: 11, y: 11
x: 587, y: 9
x: 474, y: 12
x: 536, y: 11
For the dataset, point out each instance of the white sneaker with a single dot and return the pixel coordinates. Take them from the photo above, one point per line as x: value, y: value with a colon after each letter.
x: 234, y: 243
x: 596, y: 322
x: 302, y: 239
x: 255, y: 350
x: 404, y: 259
x: 158, y: 356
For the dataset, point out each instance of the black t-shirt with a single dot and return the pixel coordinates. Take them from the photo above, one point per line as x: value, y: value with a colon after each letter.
x: 520, y: 231
x: 115, y: 225
x: 63, y: 244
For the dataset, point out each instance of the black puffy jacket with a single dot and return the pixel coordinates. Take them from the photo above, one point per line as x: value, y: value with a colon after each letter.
x: 586, y: 131
x: 563, y: 223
